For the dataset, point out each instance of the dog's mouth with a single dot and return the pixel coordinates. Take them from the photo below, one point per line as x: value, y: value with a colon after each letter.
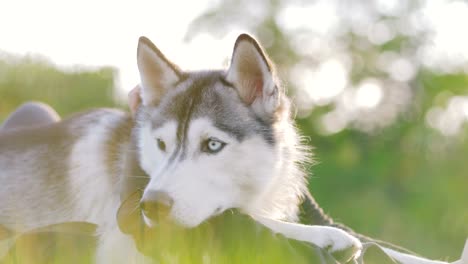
x: 227, y: 235
x: 155, y: 216
x: 150, y: 236
x: 147, y: 234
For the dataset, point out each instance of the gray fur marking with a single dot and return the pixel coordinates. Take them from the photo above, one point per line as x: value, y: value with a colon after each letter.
x: 208, y: 94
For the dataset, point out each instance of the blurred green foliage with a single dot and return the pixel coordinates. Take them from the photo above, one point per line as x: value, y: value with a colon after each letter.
x: 34, y: 79
x: 402, y: 180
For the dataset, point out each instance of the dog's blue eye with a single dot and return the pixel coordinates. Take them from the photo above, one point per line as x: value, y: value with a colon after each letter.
x: 213, y: 145
x: 161, y: 144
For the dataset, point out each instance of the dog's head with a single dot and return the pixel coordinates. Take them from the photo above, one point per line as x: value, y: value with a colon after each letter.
x: 210, y: 140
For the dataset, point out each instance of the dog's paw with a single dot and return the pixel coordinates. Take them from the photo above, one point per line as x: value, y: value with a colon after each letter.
x: 336, y: 241
x: 342, y: 246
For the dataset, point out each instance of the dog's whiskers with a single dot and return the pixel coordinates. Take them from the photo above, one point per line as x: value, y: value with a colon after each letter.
x: 136, y: 208
x: 138, y: 176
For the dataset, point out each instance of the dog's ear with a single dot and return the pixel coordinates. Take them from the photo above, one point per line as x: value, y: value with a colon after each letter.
x: 253, y: 76
x: 157, y: 73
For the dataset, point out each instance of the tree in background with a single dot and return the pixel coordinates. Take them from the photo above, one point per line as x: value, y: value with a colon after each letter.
x: 387, y: 117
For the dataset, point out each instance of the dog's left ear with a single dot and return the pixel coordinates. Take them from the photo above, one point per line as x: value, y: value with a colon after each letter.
x: 157, y: 73
x: 253, y: 76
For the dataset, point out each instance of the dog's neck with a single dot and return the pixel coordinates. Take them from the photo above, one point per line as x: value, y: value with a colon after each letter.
x: 282, y: 201
x: 133, y: 176
x: 123, y: 158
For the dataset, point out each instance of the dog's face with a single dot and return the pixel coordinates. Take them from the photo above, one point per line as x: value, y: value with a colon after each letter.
x: 207, y: 139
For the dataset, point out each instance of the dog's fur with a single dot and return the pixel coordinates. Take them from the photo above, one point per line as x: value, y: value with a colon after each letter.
x: 208, y: 141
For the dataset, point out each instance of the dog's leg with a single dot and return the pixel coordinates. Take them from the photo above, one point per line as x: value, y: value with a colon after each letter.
x: 332, y: 239
x: 313, y: 214
x: 409, y: 259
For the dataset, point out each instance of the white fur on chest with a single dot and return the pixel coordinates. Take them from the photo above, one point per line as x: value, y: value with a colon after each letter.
x: 95, y: 192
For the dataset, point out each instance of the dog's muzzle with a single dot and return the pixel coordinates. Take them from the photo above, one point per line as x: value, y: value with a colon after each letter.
x: 156, y: 205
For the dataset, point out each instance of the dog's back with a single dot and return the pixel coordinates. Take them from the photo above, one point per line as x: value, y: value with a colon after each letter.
x: 60, y: 172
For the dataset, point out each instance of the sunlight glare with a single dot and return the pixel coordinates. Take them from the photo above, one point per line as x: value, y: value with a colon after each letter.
x: 320, y: 17
x: 333, y: 122
x: 447, y: 46
x: 368, y: 94
x: 449, y: 121
x: 328, y: 81
x: 89, y: 33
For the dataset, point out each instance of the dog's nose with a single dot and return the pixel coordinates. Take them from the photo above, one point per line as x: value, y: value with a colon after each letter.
x: 156, y: 204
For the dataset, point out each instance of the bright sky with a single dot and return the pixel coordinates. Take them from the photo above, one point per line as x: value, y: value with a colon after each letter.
x: 105, y: 32
x: 94, y: 33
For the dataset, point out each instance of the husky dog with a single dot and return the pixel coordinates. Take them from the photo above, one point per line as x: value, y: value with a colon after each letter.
x: 205, y: 141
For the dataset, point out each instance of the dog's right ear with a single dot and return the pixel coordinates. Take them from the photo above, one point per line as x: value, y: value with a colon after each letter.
x: 157, y: 73
x: 253, y: 75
